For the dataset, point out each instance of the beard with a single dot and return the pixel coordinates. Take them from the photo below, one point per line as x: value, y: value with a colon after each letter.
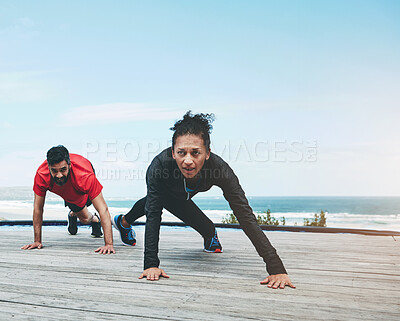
x: 61, y: 181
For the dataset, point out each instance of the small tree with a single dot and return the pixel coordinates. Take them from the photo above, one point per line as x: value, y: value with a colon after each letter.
x: 262, y: 219
x: 230, y: 219
x: 267, y: 219
x: 319, y: 220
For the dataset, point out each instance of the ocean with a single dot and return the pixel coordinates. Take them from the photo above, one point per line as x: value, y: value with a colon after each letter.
x: 381, y: 213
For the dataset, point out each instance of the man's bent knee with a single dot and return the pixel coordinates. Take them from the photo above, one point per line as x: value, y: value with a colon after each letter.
x: 85, y: 217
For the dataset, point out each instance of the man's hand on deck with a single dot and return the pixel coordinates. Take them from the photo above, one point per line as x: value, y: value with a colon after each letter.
x: 278, y: 281
x: 153, y: 274
x: 34, y: 245
x: 106, y: 249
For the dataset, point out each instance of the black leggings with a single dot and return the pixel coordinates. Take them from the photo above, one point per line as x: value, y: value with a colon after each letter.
x: 186, y: 211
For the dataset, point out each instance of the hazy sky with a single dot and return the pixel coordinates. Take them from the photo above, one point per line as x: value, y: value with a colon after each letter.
x: 306, y: 93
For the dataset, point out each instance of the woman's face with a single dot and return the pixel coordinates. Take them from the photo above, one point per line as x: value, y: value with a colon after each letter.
x: 190, y: 153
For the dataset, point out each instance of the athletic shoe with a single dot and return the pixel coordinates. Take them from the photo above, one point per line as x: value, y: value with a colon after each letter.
x: 96, y: 228
x: 128, y: 235
x: 72, y: 224
x: 212, y: 245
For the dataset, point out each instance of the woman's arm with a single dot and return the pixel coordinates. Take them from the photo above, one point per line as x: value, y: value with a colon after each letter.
x: 153, y: 211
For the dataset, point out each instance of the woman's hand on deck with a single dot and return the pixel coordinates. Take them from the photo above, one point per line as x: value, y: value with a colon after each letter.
x: 153, y: 274
x: 278, y: 281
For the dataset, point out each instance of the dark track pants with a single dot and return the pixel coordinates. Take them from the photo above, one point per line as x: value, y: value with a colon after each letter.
x: 187, y: 211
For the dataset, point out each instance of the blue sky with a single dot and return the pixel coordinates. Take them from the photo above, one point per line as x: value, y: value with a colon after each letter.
x: 305, y: 93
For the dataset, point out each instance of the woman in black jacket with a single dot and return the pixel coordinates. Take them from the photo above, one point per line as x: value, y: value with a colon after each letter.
x: 173, y: 178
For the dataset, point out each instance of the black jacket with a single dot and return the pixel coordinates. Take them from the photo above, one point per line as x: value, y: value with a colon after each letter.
x: 165, y: 180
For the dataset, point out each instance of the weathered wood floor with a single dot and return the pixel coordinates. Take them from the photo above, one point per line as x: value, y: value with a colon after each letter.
x: 338, y: 277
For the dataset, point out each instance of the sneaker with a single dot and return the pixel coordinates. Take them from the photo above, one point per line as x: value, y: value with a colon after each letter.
x: 128, y: 235
x: 212, y: 245
x: 96, y: 228
x: 72, y: 224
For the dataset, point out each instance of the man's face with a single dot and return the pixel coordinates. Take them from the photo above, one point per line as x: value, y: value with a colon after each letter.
x: 60, y: 172
x: 190, y: 153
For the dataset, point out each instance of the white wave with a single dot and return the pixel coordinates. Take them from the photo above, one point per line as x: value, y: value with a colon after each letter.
x: 22, y: 210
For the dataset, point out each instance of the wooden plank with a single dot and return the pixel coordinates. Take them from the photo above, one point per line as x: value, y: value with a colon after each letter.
x: 338, y: 277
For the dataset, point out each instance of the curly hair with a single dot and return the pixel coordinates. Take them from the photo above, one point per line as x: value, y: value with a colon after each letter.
x: 199, y: 124
x: 57, y: 154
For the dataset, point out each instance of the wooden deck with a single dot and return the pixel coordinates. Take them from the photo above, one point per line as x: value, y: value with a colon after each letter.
x: 338, y: 277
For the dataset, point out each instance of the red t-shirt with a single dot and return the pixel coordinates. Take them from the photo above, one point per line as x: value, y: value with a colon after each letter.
x: 81, y: 182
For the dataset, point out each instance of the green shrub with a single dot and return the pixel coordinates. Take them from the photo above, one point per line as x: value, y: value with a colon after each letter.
x: 267, y: 219
x: 230, y: 219
x: 319, y: 220
x: 262, y: 219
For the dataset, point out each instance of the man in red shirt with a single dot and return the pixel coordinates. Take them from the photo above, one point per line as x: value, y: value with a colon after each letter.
x: 72, y: 177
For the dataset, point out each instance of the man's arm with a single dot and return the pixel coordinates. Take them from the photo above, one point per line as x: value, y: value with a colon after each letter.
x: 101, y: 207
x: 38, y: 205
